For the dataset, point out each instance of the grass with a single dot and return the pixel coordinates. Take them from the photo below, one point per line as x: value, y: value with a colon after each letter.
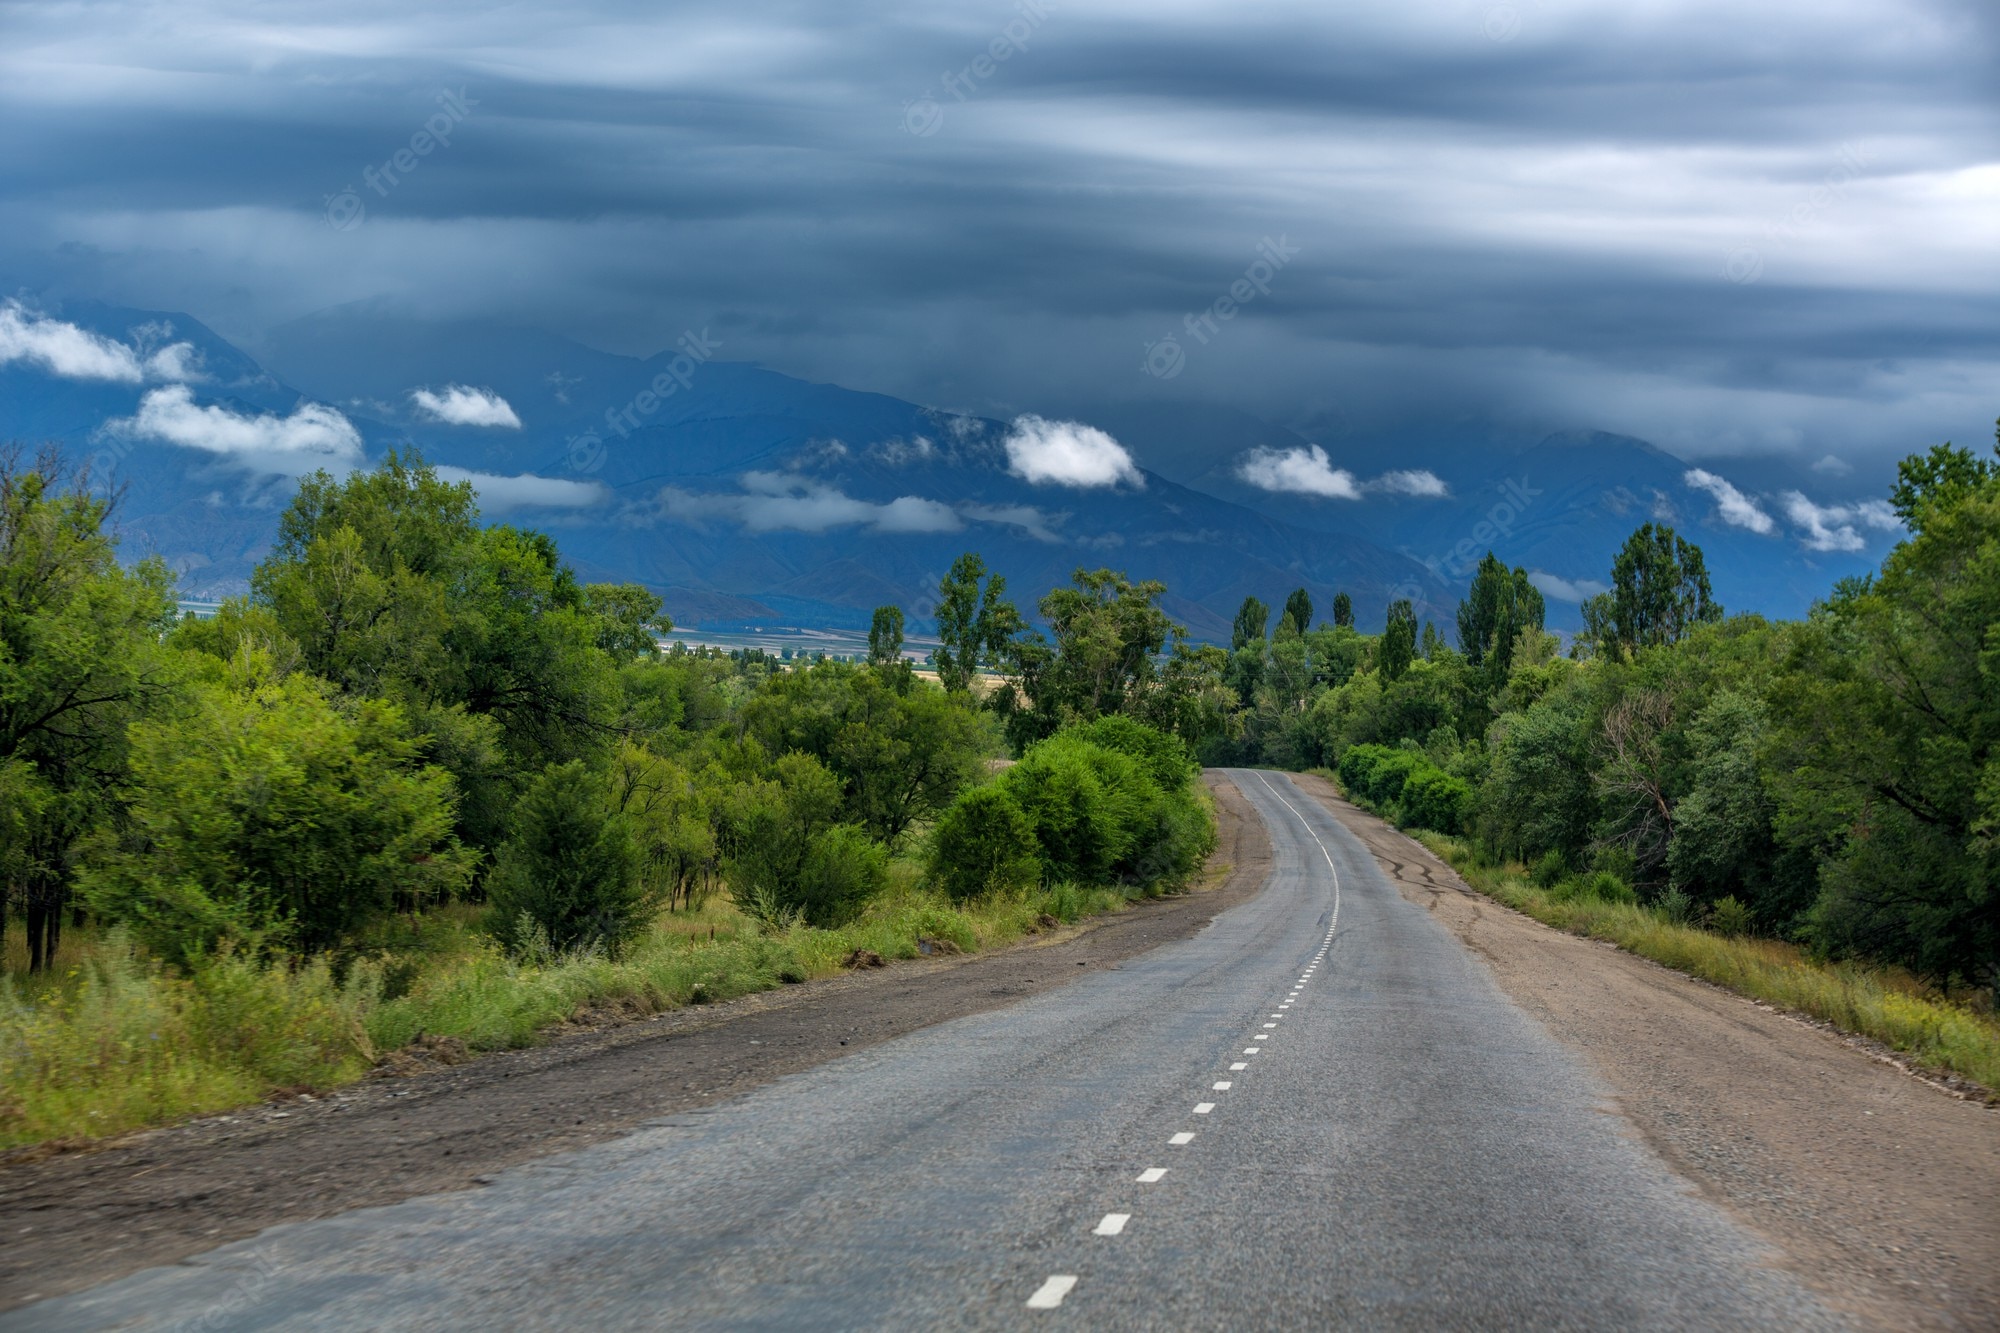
x: 1887, y: 1004
x: 110, y: 1042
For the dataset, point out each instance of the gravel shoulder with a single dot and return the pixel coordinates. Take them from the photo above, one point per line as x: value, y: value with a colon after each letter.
x: 1879, y: 1186
x: 78, y: 1219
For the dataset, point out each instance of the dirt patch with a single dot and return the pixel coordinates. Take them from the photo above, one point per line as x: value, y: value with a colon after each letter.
x: 438, y: 1122
x: 1878, y: 1186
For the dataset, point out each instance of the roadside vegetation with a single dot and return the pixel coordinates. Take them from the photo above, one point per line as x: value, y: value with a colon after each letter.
x: 423, y: 784
x: 1805, y: 811
x: 424, y: 787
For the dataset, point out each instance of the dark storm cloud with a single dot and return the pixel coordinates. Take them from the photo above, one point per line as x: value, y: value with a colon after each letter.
x: 1731, y: 229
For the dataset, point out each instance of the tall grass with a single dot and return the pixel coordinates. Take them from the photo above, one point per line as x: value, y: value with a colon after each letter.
x: 112, y: 1042
x: 1886, y: 1004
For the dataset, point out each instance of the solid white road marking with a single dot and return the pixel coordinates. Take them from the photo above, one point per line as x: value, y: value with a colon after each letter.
x: 1203, y: 1108
x: 1183, y: 1137
x: 1222, y: 1086
x: 1050, y: 1294
x: 1112, y: 1224
x: 1152, y: 1175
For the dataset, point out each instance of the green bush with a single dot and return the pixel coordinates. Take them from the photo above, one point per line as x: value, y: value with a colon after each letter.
x: 1730, y: 917
x: 273, y: 811
x: 982, y: 843
x: 1550, y: 870
x: 1434, y: 799
x: 1099, y: 815
x: 843, y: 869
x: 1166, y: 760
x: 569, y: 877
x: 1406, y: 785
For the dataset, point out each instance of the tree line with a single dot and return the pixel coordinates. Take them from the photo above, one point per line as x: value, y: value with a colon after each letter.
x: 1831, y: 780
x: 413, y: 707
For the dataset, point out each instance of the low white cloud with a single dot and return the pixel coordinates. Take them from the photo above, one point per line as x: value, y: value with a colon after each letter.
x: 1838, y: 527
x: 65, y: 349
x: 1421, y: 483
x: 1566, y: 590
x: 314, y: 436
x: 525, y: 490
x: 463, y: 405
x: 1306, y: 471
x: 1731, y: 505
x: 1832, y: 466
x: 1067, y: 453
x: 1030, y: 520
x: 785, y: 502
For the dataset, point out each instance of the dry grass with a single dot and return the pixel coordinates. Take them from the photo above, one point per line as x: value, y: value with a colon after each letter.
x: 111, y: 1042
x: 1886, y: 1004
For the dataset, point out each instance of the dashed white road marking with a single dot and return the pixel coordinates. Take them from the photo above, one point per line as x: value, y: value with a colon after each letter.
x: 1152, y: 1175
x: 1252, y: 1050
x: 1222, y: 1086
x: 1112, y: 1224
x: 1203, y: 1108
x: 1185, y: 1136
x: 1270, y: 1025
x: 1050, y: 1294
x: 1239, y: 1065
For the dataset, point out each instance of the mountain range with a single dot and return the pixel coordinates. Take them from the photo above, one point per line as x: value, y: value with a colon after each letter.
x: 749, y: 497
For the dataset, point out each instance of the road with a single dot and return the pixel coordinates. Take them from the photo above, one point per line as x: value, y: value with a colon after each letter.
x: 1320, y: 1111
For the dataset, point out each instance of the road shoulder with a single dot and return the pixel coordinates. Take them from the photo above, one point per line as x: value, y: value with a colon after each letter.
x: 76, y: 1220
x: 1878, y: 1186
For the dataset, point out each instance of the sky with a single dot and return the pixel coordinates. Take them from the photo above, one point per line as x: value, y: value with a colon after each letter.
x: 1765, y: 231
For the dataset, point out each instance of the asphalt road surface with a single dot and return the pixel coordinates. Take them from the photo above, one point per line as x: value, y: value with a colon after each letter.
x: 1320, y: 1111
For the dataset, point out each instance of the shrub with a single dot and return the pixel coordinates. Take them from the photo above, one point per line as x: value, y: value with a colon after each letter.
x: 273, y: 811
x: 1085, y: 802
x: 569, y: 877
x: 1729, y: 917
x: 1550, y: 870
x: 843, y: 869
x: 1434, y: 799
x: 1675, y: 907
x: 1165, y: 759
x: 984, y: 842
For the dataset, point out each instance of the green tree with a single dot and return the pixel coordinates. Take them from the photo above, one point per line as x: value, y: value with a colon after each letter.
x: 1299, y: 610
x: 1248, y: 629
x: 974, y: 624
x: 1890, y: 703
x: 1343, y: 611
x: 1659, y: 593
x: 1497, y: 608
x: 900, y: 758
x: 271, y: 810
x: 1398, y: 646
x: 629, y: 619
x: 885, y: 637
x: 80, y: 661
x: 570, y: 876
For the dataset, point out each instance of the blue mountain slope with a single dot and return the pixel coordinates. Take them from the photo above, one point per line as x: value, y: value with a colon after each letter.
x: 745, y: 495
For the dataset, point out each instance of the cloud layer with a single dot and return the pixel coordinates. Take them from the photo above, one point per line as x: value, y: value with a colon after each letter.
x: 500, y: 495
x: 1838, y: 527
x: 1480, y: 208
x: 786, y: 502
